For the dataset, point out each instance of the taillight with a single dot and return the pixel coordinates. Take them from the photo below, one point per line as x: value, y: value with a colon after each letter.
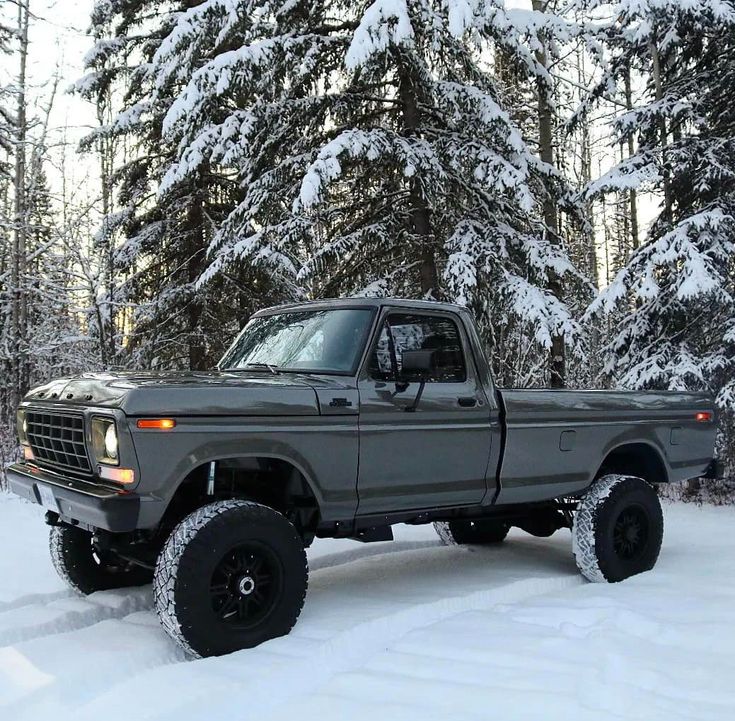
x: 703, y: 417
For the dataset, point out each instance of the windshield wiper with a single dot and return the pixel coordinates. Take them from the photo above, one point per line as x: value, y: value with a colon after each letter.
x: 273, y: 369
x: 248, y: 366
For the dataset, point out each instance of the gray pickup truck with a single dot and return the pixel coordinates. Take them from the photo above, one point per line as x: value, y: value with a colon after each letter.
x: 336, y: 419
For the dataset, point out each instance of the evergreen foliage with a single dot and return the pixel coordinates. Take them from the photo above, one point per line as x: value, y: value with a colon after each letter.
x: 373, y: 151
x: 672, y: 307
x: 161, y: 251
x: 253, y: 152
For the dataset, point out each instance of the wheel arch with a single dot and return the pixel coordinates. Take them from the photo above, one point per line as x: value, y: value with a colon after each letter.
x: 272, y: 476
x: 635, y: 458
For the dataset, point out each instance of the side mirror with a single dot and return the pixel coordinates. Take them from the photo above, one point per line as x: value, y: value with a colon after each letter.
x: 419, y: 363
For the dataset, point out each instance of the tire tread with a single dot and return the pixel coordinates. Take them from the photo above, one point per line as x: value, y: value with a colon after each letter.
x: 169, y: 560
x: 584, y: 527
x: 71, y: 557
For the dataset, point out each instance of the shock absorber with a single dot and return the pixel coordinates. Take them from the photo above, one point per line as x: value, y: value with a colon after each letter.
x: 210, y: 477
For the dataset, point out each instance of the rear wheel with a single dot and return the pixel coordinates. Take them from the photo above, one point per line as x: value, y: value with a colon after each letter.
x: 481, y: 531
x: 86, y: 568
x: 618, y: 529
x: 231, y: 575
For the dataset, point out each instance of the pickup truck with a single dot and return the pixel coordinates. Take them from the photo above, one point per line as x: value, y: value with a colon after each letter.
x: 337, y: 419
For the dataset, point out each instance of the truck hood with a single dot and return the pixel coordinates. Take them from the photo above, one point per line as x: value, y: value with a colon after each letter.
x: 193, y: 393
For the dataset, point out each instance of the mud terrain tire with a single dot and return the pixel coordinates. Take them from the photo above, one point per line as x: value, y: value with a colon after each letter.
x: 618, y: 529
x: 231, y: 575
x: 88, y: 570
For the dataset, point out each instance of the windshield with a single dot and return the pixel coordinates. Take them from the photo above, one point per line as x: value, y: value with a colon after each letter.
x: 325, y: 341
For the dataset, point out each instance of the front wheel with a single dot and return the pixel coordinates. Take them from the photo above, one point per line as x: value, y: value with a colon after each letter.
x: 87, y: 568
x: 618, y: 529
x: 231, y: 575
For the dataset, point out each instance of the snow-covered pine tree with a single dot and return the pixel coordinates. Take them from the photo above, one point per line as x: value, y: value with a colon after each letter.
x: 374, y: 153
x: 6, y: 215
x: 53, y: 338
x: 158, y: 244
x: 56, y: 341
x: 673, y: 306
x: 6, y: 115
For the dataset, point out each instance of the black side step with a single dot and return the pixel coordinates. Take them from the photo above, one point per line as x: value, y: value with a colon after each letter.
x: 373, y: 534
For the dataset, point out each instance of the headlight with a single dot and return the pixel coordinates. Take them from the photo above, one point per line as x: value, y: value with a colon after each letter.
x: 111, y: 441
x: 104, y: 441
x: 22, y: 424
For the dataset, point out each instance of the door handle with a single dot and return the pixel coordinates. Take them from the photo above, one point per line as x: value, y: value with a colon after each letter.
x: 467, y: 401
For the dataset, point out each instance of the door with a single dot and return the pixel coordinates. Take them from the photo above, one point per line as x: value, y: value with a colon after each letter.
x: 428, y: 454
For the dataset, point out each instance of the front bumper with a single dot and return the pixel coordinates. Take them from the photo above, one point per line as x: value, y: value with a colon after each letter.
x: 79, y: 502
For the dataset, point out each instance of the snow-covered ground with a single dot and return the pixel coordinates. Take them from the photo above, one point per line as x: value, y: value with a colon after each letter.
x: 394, y: 631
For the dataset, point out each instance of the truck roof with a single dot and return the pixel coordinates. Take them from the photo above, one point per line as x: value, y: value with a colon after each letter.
x: 362, y: 303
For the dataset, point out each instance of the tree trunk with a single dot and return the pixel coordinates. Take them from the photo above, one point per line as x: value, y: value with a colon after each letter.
x: 663, y: 134
x: 107, y: 338
x: 18, y: 275
x: 420, y: 213
x: 632, y: 196
x: 586, y: 176
x: 105, y: 148
x: 557, y: 361
x: 195, y: 232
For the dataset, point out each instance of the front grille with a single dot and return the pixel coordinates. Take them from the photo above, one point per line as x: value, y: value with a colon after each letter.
x: 58, y: 439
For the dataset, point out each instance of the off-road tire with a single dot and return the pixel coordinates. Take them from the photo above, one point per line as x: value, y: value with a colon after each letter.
x: 85, y: 568
x: 481, y: 532
x: 601, y: 555
x: 193, y: 555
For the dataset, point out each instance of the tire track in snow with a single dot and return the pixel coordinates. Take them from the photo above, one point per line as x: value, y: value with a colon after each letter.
x: 51, y: 676
x: 75, y: 612
x: 286, y: 668
x: 65, y: 611
x: 278, y: 671
x: 350, y: 649
x: 340, y: 558
x: 66, y: 619
x: 34, y: 599
x: 73, y: 620
x: 69, y: 612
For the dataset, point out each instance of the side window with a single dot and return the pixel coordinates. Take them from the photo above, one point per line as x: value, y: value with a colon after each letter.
x: 381, y: 364
x: 419, y: 332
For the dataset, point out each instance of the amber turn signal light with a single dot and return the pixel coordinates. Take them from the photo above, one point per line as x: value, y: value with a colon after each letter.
x: 118, y: 475
x: 161, y: 424
x: 703, y: 417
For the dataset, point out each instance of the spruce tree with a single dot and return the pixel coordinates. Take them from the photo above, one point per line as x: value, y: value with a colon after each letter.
x: 374, y: 153
x: 159, y: 243
x: 673, y: 305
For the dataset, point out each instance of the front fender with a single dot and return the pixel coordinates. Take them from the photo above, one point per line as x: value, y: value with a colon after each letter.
x: 324, y: 450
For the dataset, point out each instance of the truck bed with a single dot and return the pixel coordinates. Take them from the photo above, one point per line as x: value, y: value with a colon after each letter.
x: 556, y: 441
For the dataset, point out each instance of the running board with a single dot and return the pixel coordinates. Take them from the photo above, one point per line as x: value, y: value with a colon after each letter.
x: 373, y: 534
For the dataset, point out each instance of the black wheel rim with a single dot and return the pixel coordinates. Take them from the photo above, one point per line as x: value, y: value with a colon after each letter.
x: 245, y: 585
x: 631, y: 532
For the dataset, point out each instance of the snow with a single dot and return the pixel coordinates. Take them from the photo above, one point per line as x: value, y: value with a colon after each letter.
x: 544, y: 312
x: 403, y: 630
x: 384, y: 23
x: 372, y: 146
x: 624, y: 176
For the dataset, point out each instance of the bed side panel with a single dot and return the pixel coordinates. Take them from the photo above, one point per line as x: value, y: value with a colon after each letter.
x: 557, y: 440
